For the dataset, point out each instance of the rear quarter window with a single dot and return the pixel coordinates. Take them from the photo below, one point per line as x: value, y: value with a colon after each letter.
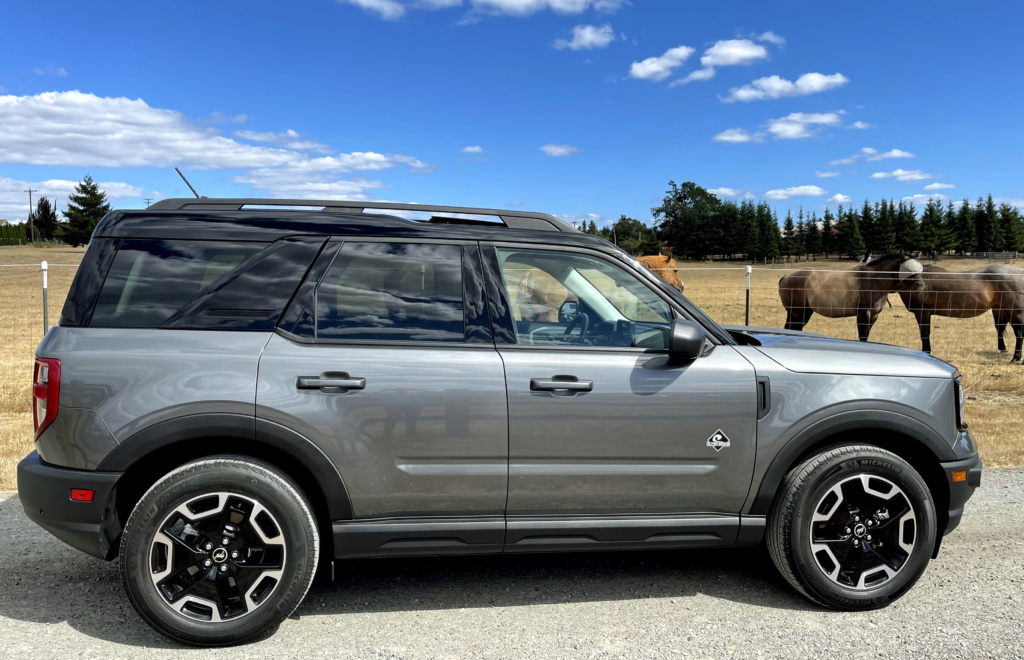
x: 202, y: 284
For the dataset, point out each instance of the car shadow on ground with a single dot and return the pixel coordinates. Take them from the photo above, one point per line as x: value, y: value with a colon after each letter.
x: 45, y: 581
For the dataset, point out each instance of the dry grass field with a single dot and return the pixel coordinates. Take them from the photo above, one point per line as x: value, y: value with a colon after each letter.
x: 995, y: 389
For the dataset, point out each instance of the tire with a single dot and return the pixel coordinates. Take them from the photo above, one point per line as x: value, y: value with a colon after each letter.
x: 852, y: 528
x: 219, y: 551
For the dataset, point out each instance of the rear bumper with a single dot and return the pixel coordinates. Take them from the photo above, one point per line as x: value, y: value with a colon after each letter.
x: 961, y: 491
x: 45, y: 492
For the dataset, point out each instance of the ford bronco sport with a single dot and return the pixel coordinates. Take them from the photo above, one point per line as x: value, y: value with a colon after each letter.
x: 235, y: 396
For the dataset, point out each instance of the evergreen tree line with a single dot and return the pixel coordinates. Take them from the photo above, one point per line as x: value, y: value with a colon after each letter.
x: 12, y: 235
x: 697, y: 225
x: 86, y: 207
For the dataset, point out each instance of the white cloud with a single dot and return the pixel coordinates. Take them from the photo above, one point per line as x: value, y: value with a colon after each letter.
x: 725, y: 192
x: 870, y: 153
x: 84, y: 130
x: 289, y: 139
x: 587, y: 37
x: 838, y: 198
x: 1012, y: 201
x: 14, y: 199
x: 903, y: 175
x: 738, y: 135
x: 860, y: 125
x: 726, y: 52
x: 772, y: 38
x: 587, y: 217
x: 730, y: 52
x: 395, y: 9
x: 939, y: 186
x: 826, y: 175
x: 782, y: 194
x: 515, y: 205
x: 801, y: 125
x: 58, y: 71
x: 774, y: 87
x: 697, y: 74
x: 892, y: 153
x: 559, y: 150
x: 921, y: 200
x: 472, y: 150
x: 661, y: 67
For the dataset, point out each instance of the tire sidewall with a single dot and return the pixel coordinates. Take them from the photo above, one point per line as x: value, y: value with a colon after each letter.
x: 282, y: 499
x: 828, y: 475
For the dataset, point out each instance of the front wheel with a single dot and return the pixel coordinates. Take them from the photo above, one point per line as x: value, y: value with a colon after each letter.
x: 219, y: 551
x: 852, y: 528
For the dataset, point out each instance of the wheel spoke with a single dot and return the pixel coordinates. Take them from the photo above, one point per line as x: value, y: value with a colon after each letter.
x: 180, y: 583
x: 231, y: 601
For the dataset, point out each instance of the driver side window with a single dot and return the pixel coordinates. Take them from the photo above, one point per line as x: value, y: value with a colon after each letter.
x: 572, y: 299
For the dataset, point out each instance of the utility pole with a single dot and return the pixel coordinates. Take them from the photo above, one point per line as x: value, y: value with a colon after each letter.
x: 147, y: 200
x: 31, y: 225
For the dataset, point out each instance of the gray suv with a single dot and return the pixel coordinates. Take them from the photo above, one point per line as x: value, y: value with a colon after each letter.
x: 238, y: 396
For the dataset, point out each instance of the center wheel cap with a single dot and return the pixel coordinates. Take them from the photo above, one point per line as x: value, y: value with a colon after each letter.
x: 219, y: 555
x: 859, y: 531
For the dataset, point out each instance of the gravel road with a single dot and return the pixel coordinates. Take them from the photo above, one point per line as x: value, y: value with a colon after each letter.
x: 56, y: 602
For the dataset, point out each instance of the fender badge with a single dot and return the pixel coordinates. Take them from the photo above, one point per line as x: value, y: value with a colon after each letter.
x: 718, y: 440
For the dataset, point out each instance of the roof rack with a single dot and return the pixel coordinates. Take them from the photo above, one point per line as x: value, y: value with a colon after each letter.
x: 514, y: 220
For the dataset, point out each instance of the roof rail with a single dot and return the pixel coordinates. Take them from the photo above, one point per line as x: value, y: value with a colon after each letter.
x: 514, y: 220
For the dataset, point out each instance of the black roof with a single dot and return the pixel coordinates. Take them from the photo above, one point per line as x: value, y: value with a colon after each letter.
x: 231, y: 219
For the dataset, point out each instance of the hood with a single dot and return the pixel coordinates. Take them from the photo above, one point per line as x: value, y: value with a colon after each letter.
x: 811, y: 353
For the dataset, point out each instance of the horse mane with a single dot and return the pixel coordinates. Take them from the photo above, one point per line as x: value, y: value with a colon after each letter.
x: 892, y: 256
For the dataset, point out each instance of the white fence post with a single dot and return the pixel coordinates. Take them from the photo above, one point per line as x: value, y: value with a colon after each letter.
x: 46, y: 308
x: 747, y: 317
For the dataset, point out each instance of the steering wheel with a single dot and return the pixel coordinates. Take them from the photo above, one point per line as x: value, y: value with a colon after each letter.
x: 583, y: 321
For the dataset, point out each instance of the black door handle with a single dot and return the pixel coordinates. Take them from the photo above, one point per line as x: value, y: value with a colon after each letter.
x: 561, y: 383
x: 339, y: 381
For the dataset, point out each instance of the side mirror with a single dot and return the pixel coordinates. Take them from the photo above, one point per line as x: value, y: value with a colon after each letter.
x: 568, y: 311
x: 686, y: 342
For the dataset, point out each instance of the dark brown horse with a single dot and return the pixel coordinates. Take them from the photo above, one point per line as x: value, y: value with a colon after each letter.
x: 970, y: 294
x: 861, y: 291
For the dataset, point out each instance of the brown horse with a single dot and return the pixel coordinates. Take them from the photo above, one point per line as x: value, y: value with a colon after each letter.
x: 665, y: 268
x: 861, y: 291
x: 969, y: 294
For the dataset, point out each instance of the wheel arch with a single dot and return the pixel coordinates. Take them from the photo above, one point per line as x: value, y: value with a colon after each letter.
x: 911, y: 440
x: 153, y: 452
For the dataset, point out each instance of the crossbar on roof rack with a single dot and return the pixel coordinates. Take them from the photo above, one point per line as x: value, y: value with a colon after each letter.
x: 516, y: 220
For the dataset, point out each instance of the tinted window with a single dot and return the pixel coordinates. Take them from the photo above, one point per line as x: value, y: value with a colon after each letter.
x: 392, y: 291
x: 149, y: 281
x: 567, y: 298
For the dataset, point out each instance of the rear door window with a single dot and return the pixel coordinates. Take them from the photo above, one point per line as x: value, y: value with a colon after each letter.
x: 392, y: 292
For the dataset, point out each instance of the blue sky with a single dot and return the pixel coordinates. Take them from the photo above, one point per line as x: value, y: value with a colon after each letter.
x: 583, y: 108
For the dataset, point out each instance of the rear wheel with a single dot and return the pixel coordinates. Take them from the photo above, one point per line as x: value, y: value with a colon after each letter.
x: 219, y: 551
x: 853, y: 527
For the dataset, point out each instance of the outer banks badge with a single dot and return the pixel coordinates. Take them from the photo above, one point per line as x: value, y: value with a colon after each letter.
x: 718, y: 440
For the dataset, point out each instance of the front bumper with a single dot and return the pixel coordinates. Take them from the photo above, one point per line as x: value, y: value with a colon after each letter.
x: 960, y: 490
x: 45, y: 492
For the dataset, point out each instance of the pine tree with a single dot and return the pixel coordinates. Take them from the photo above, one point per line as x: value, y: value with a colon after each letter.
x: 45, y: 220
x: 935, y: 237
x: 85, y: 208
x: 1012, y: 228
x: 966, y: 231
x: 22, y: 237
x: 828, y: 232
x: 908, y: 231
x: 748, y: 218
x: 813, y: 236
x: 789, y: 245
x: 994, y: 229
x: 885, y: 228
x: 868, y: 229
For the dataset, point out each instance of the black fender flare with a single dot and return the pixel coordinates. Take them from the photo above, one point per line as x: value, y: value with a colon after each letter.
x: 885, y: 421
x: 236, y: 433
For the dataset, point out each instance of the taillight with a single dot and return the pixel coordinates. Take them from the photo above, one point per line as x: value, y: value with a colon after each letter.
x: 45, y: 392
